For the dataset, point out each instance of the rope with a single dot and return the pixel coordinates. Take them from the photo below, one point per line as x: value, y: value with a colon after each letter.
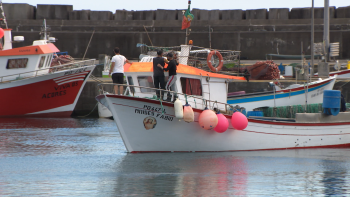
x: 95, y: 78
x: 161, y: 104
x: 90, y: 112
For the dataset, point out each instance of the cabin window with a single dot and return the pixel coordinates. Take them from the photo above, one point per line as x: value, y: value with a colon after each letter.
x: 131, y: 82
x: 42, y: 61
x: 191, y: 86
x: 17, y: 63
x: 48, y: 62
x: 145, y: 81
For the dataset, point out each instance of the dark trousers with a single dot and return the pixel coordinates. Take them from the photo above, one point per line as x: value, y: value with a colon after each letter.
x: 159, y: 80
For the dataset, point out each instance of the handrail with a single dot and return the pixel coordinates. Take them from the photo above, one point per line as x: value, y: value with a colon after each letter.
x: 53, y: 69
x: 207, y: 101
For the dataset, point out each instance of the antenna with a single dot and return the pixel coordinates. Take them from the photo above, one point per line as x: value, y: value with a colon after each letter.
x: 3, y: 14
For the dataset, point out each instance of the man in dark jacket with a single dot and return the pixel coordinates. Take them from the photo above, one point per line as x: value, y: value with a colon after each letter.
x: 170, y: 85
x: 158, y: 73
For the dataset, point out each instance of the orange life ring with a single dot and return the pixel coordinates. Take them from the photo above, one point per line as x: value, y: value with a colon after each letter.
x: 221, y: 61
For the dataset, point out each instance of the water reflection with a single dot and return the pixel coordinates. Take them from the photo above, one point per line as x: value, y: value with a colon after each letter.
x: 86, y: 157
x: 267, y: 173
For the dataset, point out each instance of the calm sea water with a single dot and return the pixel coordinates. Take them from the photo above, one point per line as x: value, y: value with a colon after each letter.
x: 86, y: 157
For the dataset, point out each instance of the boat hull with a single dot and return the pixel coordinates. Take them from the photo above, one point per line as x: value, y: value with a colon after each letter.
x: 285, y: 97
x: 149, y: 126
x: 51, y: 95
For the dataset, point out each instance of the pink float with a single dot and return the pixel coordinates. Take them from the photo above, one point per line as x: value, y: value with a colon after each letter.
x: 239, y: 121
x: 222, y: 125
x: 188, y: 113
x: 208, y: 119
x: 1, y: 33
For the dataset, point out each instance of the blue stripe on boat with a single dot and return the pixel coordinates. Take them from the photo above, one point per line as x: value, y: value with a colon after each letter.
x: 270, y: 96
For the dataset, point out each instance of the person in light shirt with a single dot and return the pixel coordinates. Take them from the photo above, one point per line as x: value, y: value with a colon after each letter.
x: 117, y: 70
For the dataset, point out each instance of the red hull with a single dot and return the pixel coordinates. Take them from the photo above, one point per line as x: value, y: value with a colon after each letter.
x: 59, y: 91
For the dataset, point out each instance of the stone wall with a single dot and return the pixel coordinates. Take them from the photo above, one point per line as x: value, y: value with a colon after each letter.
x: 66, y: 12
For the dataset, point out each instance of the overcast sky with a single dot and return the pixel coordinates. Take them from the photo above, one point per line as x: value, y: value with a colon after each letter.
x: 112, y: 5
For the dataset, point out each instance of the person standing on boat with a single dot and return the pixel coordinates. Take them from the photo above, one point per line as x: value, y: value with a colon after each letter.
x: 158, y: 73
x: 117, y: 70
x: 170, y: 85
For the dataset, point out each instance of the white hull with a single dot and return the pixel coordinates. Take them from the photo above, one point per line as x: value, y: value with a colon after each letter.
x: 171, y: 135
x: 103, y: 112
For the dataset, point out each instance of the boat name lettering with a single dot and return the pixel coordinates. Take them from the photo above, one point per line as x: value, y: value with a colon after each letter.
x: 54, y: 94
x: 65, y: 86
x: 319, y: 92
x: 165, y: 117
x: 75, y: 71
x: 145, y: 112
x: 24, y: 50
x: 156, y: 109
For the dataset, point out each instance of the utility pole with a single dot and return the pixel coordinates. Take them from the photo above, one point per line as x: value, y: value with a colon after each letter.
x: 326, y: 30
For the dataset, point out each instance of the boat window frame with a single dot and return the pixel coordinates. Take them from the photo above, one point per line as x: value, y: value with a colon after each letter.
x: 9, y: 61
x: 42, y: 61
x: 144, y: 90
x: 183, y: 88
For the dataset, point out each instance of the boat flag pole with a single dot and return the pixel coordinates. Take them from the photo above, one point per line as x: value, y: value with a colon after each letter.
x: 186, y: 40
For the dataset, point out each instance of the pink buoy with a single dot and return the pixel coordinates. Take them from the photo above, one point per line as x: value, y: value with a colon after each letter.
x: 1, y: 32
x: 239, y: 121
x: 208, y: 119
x: 188, y: 113
x: 222, y: 125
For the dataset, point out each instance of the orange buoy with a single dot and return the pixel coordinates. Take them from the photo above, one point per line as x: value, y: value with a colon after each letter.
x: 221, y: 61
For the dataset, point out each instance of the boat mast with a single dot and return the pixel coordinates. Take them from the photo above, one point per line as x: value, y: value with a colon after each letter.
x: 312, y: 35
x: 187, y: 34
x: 326, y: 30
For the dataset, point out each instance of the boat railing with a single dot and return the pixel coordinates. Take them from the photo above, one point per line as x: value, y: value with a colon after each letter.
x: 47, y: 71
x: 224, y: 108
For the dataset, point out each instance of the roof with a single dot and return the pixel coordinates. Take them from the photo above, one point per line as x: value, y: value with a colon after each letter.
x: 184, y: 69
x: 30, y: 50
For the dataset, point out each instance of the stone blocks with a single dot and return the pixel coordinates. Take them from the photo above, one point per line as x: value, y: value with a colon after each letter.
x: 79, y: 15
x: 279, y: 13
x: 54, y: 12
x: 19, y: 11
x: 256, y: 14
x: 231, y: 15
x: 101, y: 15
x: 166, y: 15
x: 343, y: 12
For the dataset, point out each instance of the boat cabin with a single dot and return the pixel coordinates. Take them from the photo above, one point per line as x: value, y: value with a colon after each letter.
x: 25, y: 61
x: 197, y: 84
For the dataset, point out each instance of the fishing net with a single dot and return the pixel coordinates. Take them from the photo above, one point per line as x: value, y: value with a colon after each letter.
x: 290, y: 111
x: 264, y: 70
x: 62, y: 59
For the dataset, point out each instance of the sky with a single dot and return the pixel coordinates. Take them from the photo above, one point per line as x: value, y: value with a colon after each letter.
x: 112, y: 5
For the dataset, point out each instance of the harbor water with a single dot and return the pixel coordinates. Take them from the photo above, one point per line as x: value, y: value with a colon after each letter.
x: 87, y: 157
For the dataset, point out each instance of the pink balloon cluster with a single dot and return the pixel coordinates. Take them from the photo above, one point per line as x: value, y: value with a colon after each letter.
x: 239, y: 121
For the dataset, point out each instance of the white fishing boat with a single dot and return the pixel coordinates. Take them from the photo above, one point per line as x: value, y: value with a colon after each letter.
x: 149, y: 125
x: 30, y: 86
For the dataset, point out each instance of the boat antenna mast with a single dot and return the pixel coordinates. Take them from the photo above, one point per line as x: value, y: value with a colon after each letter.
x: 3, y: 14
x: 45, y: 30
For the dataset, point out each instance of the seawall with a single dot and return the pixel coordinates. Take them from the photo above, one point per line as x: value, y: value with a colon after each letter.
x: 254, y: 32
